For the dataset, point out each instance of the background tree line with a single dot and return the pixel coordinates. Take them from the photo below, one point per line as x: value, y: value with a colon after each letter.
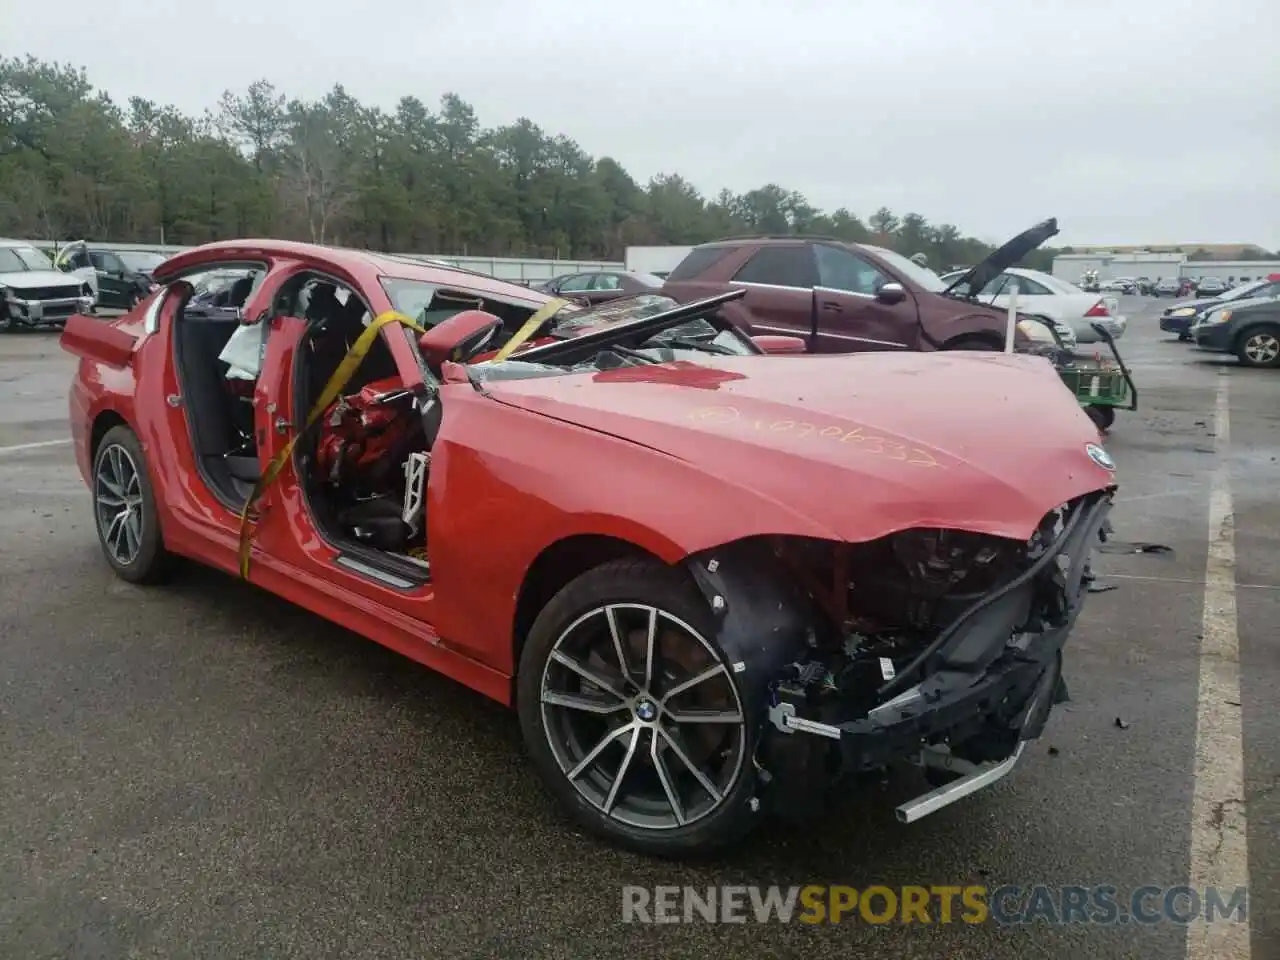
x: 74, y: 163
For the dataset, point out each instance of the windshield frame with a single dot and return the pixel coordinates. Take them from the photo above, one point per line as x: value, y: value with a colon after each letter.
x: 639, y: 330
x: 1245, y: 290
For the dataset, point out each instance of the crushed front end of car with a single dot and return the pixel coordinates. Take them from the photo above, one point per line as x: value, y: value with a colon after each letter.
x: 938, y: 648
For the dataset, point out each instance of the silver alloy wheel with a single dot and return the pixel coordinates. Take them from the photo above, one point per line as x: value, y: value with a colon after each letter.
x: 613, y: 694
x: 1262, y: 347
x: 117, y: 494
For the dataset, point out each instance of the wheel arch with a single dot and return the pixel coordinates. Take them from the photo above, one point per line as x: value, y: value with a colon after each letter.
x: 763, y: 620
x: 1237, y: 341
x: 559, y: 564
x: 986, y: 340
x: 103, y: 422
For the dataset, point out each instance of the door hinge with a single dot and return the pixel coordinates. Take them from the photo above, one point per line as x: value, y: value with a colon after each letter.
x: 173, y: 400
x: 282, y: 425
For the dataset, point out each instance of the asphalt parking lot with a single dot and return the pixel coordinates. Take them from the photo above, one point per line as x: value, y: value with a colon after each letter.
x: 203, y: 771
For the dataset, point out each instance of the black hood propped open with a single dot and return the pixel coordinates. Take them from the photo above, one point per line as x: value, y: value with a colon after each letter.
x: 979, y: 277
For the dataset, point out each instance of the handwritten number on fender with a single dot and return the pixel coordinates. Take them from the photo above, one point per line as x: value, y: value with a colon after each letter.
x: 726, y: 417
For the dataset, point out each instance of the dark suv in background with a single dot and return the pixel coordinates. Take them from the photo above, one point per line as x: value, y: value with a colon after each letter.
x: 846, y: 297
x: 124, y: 276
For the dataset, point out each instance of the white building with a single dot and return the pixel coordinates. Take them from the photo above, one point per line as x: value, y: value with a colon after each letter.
x: 655, y: 259
x: 1229, y: 270
x: 1071, y: 266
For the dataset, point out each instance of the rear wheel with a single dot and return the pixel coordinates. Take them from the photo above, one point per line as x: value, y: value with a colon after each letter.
x: 632, y: 715
x: 124, y: 510
x: 1260, y: 346
x: 972, y: 343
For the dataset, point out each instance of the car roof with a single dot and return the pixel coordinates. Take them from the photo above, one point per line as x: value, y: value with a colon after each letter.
x: 361, y: 265
x: 770, y: 240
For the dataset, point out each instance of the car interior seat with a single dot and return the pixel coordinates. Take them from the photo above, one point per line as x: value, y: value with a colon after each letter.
x: 239, y: 292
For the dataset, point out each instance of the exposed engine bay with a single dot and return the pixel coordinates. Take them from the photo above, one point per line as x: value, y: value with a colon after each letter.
x: 941, y: 648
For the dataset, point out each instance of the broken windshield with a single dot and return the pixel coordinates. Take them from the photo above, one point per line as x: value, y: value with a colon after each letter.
x: 694, y: 342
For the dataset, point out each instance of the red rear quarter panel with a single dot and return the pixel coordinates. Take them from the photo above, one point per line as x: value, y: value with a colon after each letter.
x: 98, y: 388
x: 136, y: 394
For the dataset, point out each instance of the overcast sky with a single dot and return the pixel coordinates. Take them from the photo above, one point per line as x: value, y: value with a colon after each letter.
x: 1131, y: 121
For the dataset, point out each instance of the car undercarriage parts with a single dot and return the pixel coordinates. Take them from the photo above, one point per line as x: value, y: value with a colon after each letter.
x: 956, y: 683
x: 974, y: 778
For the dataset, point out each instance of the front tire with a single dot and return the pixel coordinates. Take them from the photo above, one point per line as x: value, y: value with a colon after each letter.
x: 1102, y: 417
x: 973, y: 343
x: 633, y: 716
x: 124, y: 510
x: 1260, y: 346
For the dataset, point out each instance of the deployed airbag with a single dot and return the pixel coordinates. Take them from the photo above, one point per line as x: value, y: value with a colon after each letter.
x: 244, y: 351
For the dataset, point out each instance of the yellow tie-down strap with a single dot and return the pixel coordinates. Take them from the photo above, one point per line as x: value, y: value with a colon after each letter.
x: 332, y: 390
x: 528, y: 330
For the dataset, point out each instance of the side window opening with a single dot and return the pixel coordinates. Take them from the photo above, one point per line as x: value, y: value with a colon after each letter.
x: 841, y: 270
x: 577, y: 284
x: 1029, y: 287
x: 789, y: 265
x: 696, y: 262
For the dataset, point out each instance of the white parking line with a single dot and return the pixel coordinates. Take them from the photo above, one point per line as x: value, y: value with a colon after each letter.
x: 1186, y: 580
x: 19, y: 447
x: 1219, y: 841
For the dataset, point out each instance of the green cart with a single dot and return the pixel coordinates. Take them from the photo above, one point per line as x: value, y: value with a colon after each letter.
x: 1102, y: 385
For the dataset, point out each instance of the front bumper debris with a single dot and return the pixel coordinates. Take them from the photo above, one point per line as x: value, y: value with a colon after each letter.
x: 1217, y: 337
x: 986, y: 685
x: 44, y: 312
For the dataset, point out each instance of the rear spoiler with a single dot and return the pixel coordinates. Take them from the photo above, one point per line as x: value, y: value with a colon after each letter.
x: 98, y: 340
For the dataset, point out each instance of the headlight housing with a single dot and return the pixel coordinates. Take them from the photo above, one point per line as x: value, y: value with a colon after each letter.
x: 1184, y: 312
x: 1218, y: 316
x: 1048, y: 332
x: 1035, y: 331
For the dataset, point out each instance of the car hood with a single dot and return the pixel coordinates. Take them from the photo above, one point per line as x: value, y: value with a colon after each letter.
x: 1196, y: 305
x: 979, y: 276
x: 1247, y: 303
x: 860, y: 445
x: 29, y: 279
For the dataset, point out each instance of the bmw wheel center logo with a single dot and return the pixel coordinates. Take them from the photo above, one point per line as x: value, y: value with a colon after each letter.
x: 1100, y: 457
